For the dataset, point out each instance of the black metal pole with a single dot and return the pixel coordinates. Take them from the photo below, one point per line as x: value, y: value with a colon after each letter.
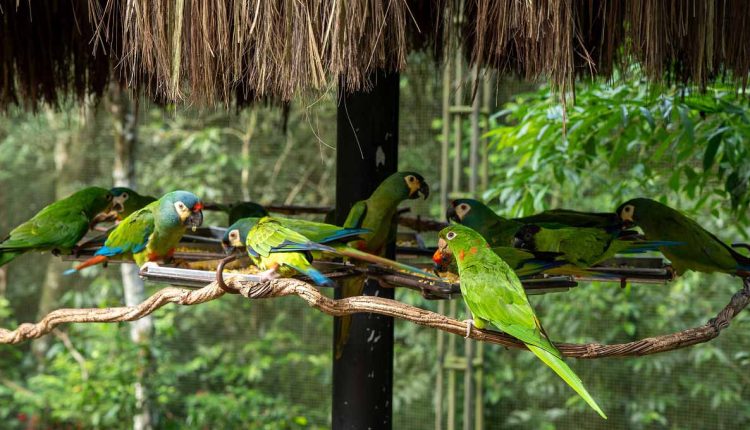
x: 366, y: 153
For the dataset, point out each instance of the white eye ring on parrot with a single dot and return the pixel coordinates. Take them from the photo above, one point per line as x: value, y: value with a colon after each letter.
x: 109, y: 197
x: 233, y: 235
x: 125, y: 196
x: 410, y: 178
x: 450, y: 235
x: 180, y: 207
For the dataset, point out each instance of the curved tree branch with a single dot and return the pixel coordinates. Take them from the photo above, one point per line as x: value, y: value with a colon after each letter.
x: 350, y: 305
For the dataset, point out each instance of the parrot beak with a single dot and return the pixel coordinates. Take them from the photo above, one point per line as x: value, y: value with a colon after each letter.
x: 228, y: 248
x: 196, y: 218
x: 118, y: 204
x: 442, y: 256
x: 451, y: 215
x: 424, y: 190
x: 419, y: 190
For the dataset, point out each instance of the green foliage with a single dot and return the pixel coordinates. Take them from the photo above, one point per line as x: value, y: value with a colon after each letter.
x: 634, y: 138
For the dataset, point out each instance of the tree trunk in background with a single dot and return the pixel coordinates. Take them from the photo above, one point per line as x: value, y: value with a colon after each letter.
x: 70, y: 148
x: 123, y: 174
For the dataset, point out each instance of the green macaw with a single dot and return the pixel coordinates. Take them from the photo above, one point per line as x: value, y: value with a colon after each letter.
x: 582, y: 246
x: 151, y: 233
x: 59, y: 226
x: 125, y: 201
x: 377, y: 214
x: 698, y: 249
x: 495, y: 296
x: 281, y: 251
x: 317, y: 232
x: 499, y: 231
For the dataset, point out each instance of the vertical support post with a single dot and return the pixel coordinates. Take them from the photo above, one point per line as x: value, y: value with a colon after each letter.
x: 366, y: 153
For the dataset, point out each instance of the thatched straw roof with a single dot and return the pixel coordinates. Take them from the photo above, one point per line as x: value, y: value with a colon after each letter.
x: 208, y: 51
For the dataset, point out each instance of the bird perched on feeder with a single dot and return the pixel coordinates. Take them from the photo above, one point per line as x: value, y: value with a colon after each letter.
x: 281, y: 251
x: 377, y: 214
x: 151, y: 233
x: 334, y: 236
x: 698, y: 249
x: 125, y: 201
x: 583, y: 246
x: 59, y: 226
x: 499, y: 231
x: 495, y: 296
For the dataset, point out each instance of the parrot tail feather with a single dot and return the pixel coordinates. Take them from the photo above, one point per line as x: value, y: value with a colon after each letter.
x: 7, y: 256
x: 314, y: 274
x: 567, y: 374
x: 348, y: 251
x: 346, y: 233
x: 638, y: 247
x: 88, y: 263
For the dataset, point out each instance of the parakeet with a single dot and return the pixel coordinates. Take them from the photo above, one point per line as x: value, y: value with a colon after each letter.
x: 377, y: 214
x: 59, y: 226
x: 495, y: 296
x: 150, y: 234
x: 582, y: 246
x: 331, y: 235
x: 499, y: 231
x: 125, y: 201
x: 698, y: 249
x: 281, y: 251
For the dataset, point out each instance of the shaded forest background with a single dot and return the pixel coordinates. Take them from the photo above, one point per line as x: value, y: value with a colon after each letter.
x: 267, y: 364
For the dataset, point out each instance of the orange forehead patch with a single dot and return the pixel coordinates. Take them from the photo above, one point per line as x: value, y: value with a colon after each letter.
x: 461, y: 255
x: 473, y: 250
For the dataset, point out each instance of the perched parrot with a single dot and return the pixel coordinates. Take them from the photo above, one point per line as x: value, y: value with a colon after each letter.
x: 125, y: 201
x: 583, y: 246
x: 281, y: 251
x: 150, y: 234
x: 377, y: 214
x: 495, y: 296
x: 331, y: 235
x: 699, y: 249
x: 59, y: 226
x: 499, y: 231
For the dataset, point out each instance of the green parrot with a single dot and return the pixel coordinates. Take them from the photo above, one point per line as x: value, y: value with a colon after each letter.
x: 151, y: 233
x: 495, y: 296
x: 377, y: 214
x: 698, y: 249
x: 583, y: 246
x: 281, y: 251
x: 317, y: 232
x: 499, y: 231
x: 59, y: 226
x: 125, y: 201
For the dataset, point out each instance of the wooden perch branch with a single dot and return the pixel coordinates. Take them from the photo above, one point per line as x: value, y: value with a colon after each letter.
x: 351, y: 305
x: 125, y: 313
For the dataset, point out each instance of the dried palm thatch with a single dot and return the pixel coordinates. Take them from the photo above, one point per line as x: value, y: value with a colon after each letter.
x: 220, y: 51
